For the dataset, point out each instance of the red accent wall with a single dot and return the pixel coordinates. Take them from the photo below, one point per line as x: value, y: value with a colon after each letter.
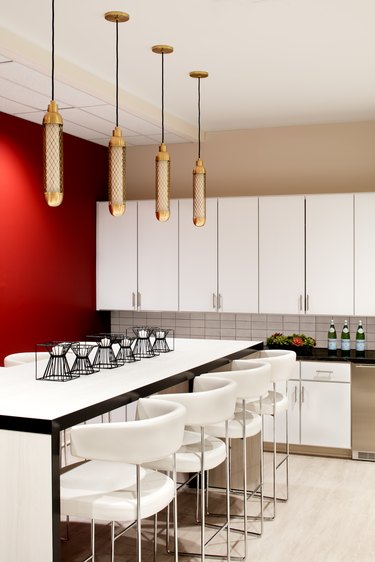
x: 47, y: 255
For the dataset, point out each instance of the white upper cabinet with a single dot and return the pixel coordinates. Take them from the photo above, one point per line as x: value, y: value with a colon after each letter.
x: 329, y: 254
x: 137, y: 258
x: 157, y: 258
x: 281, y: 254
x: 198, y: 258
x: 237, y: 254
x: 364, y: 262
x: 116, y: 258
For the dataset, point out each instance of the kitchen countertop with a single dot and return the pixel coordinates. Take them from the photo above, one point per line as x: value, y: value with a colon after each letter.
x: 322, y: 354
x: 24, y: 398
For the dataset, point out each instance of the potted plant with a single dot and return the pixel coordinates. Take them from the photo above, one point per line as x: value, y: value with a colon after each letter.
x: 300, y: 343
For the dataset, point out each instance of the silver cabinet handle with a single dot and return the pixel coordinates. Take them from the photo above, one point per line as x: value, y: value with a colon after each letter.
x: 302, y: 394
x: 300, y: 303
x: 307, y: 302
x: 139, y: 300
x: 295, y: 394
x: 323, y: 374
x: 220, y: 302
x: 133, y: 300
x: 214, y: 301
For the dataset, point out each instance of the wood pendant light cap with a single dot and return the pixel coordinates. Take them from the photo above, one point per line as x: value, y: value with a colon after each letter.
x: 116, y: 16
x: 162, y: 49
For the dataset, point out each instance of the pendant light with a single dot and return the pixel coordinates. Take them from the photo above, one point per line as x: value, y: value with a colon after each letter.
x: 53, y: 172
x: 162, y: 160
x: 199, y: 172
x: 116, y: 146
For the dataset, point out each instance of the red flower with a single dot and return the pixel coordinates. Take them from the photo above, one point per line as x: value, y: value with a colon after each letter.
x: 297, y: 341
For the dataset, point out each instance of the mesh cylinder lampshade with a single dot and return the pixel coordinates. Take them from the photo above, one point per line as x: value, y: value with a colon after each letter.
x: 53, y: 169
x: 199, y: 194
x: 116, y: 173
x: 162, y: 182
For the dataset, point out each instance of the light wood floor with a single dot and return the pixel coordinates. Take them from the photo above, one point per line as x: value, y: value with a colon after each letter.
x: 330, y: 517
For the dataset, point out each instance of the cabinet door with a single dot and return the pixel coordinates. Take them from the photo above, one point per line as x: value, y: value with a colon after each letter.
x: 198, y: 258
x: 329, y: 254
x: 238, y: 254
x: 325, y: 414
x: 157, y: 258
x: 281, y: 254
x: 293, y: 417
x: 116, y: 258
x: 364, y: 265
x: 293, y: 412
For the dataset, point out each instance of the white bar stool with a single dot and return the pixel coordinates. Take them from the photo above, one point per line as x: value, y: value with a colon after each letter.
x: 252, y: 381
x: 114, y: 486
x: 22, y: 357
x: 213, y: 400
x: 15, y: 359
x: 282, y: 364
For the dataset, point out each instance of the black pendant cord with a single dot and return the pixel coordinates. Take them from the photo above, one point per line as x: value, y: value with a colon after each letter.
x: 162, y: 98
x: 199, y: 117
x: 116, y: 73
x: 53, y: 49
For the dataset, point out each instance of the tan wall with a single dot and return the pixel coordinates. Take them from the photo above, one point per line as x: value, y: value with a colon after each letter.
x: 306, y: 159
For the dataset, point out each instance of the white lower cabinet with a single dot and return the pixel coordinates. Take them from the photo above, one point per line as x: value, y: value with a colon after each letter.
x: 319, y: 407
x: 325, y: 414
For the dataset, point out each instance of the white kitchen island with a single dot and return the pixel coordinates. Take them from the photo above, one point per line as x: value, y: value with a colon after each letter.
x: 33, y: 412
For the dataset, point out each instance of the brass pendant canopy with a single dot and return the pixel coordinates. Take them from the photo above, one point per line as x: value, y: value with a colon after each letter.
x: 199, y: 172
x: 113, y: 16
x: 116, y: 145
x: 162, y: 49
x: 162, y: 159
x: 198, y: 74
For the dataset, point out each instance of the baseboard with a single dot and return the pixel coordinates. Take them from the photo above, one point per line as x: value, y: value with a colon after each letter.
x: 311, y: 450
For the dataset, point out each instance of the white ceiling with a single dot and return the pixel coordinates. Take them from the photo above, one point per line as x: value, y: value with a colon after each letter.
x: 270, y: 63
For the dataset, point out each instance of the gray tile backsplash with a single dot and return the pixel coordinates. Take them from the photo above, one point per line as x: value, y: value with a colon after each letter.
x: 242, y: 326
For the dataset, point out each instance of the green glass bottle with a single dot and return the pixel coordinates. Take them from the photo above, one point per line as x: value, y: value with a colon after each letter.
x: 345, y: 338
x: 360, y: 338
x: 332, y: 337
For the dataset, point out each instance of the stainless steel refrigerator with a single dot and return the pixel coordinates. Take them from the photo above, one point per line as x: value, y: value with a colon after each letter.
x: 363, y: 411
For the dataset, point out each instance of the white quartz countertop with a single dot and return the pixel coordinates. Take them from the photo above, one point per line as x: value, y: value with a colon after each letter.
x: 21, y: 395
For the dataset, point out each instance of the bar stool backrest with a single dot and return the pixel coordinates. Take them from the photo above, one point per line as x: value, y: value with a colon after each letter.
x: 213, y: 400
x: 158, y: 432
x: 252, y: 378
x: 282, y: 363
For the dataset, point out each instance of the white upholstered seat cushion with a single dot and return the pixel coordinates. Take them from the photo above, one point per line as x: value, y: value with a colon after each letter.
x: 188, y: 457
x: 267, y: 404
x: 253, y: 425
x: 107, y: 491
